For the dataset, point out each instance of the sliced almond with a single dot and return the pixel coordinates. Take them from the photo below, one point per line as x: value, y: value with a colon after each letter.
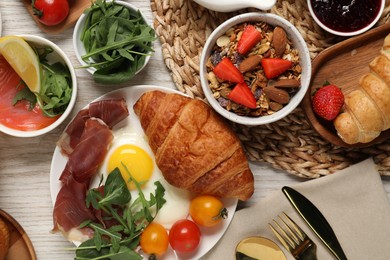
x: 223, y: 41
x: 278, y: 95
x: 263, y: 48
x: 249, y: 63
x: 284, y: 83
x: 279, y: 41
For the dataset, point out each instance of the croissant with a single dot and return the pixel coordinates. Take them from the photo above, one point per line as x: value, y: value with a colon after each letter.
x: 367, y: 109
x: 194, y: 148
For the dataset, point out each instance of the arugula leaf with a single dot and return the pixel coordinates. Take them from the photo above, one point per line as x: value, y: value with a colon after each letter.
x: 25, y: 94
x: 115, y: 190
x: 123, y: 253
x: 87, y: 250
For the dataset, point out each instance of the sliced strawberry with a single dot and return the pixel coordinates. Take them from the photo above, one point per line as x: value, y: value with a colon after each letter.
x: 273, y: 67
x: 328, y: 101
x: 241, y: 94
x: 225, y: 70
x: 249, y: 38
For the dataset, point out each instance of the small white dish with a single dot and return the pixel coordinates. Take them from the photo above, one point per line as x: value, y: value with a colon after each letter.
x: 56, y: 56
x: 1, y: 23
x: 347, y: 33
x: 234, y: 5
x: 299, y: 44
x: 79, y: 46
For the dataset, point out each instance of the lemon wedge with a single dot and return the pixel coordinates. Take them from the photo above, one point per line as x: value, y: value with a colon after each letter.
x: 22, y: 59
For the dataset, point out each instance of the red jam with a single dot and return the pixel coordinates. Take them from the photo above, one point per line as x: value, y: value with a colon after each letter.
x: 346, y: 15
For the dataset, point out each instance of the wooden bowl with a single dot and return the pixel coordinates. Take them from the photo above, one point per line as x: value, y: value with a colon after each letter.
x: 21, y: 247
x: 343, y: 64
x: 76, y: 8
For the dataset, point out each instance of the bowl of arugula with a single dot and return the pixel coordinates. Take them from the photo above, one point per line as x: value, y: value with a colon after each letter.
x: 36, y: 100
x: 113, y: 41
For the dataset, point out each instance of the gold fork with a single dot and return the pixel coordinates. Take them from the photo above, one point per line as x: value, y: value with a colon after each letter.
x: 293, y: 238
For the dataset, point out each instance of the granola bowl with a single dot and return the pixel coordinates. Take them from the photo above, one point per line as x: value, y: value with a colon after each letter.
x: 259, y: 52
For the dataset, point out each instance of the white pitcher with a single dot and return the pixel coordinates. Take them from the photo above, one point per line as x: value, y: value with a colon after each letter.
x: 234, y: 5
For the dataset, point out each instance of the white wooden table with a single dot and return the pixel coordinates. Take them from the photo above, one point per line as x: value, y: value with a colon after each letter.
x: 25, y: 162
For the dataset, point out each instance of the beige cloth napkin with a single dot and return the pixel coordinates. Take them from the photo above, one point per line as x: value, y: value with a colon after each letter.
x: 353, y: 201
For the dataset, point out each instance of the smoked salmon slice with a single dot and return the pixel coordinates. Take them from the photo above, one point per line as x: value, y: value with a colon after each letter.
x: 18, y: 116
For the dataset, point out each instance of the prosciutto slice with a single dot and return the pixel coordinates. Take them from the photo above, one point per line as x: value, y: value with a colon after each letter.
x: 110, y: 111
x: 70, y: 211
x: 89, y: 152
x: 85, y: 141
x: 71, y: 137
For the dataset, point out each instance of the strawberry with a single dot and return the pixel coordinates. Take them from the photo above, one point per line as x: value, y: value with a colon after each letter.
x: 328, y: 101
x: 273, y: 67
x: 225, y: 70
x: 249, y: 38
x: 241, y: 94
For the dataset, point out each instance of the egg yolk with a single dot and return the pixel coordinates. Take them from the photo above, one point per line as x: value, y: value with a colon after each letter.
x: 137, y: 161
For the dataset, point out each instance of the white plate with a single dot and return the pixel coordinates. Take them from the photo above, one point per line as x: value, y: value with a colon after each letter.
x: 210, y: 236
x: 1, y: 22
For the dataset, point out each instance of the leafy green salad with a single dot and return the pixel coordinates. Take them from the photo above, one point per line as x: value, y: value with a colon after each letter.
x: 117, y: 41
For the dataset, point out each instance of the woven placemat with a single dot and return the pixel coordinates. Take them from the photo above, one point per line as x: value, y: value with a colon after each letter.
x: 289, y: 144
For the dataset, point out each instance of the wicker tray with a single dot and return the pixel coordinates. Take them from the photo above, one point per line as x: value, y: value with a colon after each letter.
x: 289, y: 144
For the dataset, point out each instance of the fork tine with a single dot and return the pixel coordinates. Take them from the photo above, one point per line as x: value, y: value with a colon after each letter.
x: 285, y: 232
x: 293, y: 236
x: 288, y: 233
x: 298, y: 231
x: 288, y: 244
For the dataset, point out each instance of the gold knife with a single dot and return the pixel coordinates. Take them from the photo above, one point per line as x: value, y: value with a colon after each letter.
x: 316, y: 221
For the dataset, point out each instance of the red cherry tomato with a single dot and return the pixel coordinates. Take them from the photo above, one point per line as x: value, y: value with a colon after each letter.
x: 51, y: 12
x: 207, y: 210
x: 154, y: 239
x: 184, y: 236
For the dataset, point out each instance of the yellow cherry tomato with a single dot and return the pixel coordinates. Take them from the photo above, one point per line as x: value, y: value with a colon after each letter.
x: 154, y: 240
x: 207, y: 210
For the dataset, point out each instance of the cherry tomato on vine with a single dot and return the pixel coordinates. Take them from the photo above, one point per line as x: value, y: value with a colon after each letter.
x: 207, y: 210
x: 184, y: 236
x: 154, y: 240
x: 51, y: 12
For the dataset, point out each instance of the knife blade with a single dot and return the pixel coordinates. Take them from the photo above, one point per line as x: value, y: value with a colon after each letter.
x: 316, y: 221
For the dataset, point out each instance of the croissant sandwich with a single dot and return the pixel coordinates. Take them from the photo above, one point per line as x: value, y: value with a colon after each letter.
x: 367, y: 109
x: 194, y: 148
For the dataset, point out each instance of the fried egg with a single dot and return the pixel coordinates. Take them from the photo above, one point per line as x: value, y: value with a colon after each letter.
x: 131, y: 153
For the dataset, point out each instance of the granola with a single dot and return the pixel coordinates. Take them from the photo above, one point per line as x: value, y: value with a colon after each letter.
x: 274, y: 40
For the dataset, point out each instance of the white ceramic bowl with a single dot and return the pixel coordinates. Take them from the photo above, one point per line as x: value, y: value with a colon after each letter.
x: 79, y: 46
x: 352, y: 33
x: 56, y: 56
x: 299, y: 44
